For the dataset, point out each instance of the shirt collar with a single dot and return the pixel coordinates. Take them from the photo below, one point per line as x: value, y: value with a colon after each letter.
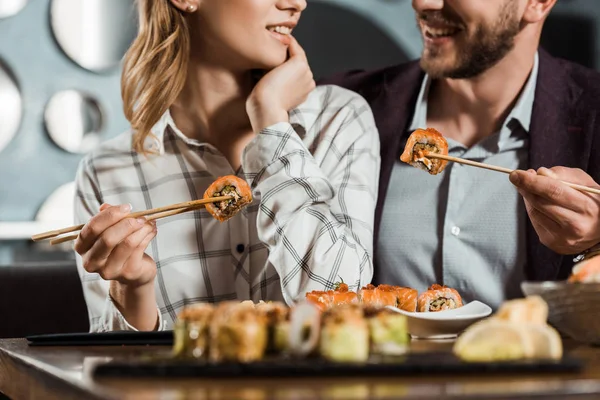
x: 520, y: 112
x: 156, y: 142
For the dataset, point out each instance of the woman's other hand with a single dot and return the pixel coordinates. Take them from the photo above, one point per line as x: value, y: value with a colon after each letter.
x: 280, y: 90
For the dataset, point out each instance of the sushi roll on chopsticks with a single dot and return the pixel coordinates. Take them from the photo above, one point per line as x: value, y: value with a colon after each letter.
x: 238, y: 332
x: 419, y: 143
x: 191, y: 333
x: 388, y: 331
x: 228, y: 186
x: 344, y: 334
x: 438, y: 298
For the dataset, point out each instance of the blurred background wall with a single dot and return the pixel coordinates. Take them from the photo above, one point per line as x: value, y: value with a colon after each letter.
x: 59, y: 87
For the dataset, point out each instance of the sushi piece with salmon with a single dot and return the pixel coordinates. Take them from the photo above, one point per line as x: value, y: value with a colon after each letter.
x: 322, y: 299
x: 421, y: 142
x: 438, y: 298
x: 228, y: 186
x: 586, y: 271
x: 343, y: 295
x: 378, y: 296
x: 407, y: 298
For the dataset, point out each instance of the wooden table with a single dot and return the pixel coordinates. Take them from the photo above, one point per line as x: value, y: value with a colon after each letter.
x: 65, y: 373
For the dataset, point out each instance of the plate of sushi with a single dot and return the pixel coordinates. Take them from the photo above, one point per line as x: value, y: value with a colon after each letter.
x: 233, y: 339
x: 436, y: 313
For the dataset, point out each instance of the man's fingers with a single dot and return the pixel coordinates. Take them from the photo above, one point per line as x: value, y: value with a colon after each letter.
x: 531, y: 204
x: 572, y: 175
x: 547, y: 188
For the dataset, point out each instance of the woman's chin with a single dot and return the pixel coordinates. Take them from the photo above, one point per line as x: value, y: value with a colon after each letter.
x: 272, y: 62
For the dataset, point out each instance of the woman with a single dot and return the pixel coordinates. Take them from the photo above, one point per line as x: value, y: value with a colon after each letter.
x: 199, y: 110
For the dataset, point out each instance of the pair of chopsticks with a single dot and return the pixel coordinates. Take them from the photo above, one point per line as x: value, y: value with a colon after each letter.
x: 151, y: 215
x: 501, y: 169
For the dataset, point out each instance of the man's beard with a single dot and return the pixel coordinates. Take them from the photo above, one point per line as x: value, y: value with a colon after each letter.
x: 487, y: 46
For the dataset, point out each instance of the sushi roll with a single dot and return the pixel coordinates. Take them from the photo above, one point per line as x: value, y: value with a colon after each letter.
x: 228, y: 186
x: 344, y: 335
x: 422, y: 141
x: 380, y: 296
x: 407, y: 298
x: 191, y: 332
x: 343, y: 295
x: 388, y: 331
x: 238, y: 333
x: 278, y: 325
x: 322, y: 299
x: 438, y: 298
x: 530, y: 310
x: 586, y: 271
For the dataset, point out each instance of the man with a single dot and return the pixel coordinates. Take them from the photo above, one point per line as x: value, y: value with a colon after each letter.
x: 498, y: 99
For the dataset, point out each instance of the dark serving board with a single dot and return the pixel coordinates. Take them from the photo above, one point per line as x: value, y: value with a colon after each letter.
x: 411, y: 364
x: 118, y: 338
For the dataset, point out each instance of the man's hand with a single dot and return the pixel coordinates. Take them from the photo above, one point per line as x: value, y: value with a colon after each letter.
x: 565, y: 219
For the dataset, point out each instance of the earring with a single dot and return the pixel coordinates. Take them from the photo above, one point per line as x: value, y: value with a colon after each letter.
x: 191, y: 8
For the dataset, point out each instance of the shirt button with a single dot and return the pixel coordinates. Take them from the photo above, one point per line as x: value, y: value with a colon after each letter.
x: 455, y: 230
x: 240, y: 248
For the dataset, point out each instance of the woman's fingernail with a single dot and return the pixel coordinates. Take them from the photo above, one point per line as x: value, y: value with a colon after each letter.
x: 126, y: 208
x: 141, y: 221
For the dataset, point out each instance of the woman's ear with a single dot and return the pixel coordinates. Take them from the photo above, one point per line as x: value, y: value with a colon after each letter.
x: 537, y: 10
x: 188, y: 6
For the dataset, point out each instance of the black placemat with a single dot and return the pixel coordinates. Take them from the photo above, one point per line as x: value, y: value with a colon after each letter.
x: 412, y: 364
x: 118, y: 338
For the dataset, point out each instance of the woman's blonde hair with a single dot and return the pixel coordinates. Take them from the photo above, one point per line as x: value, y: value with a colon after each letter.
x: 155, y: 67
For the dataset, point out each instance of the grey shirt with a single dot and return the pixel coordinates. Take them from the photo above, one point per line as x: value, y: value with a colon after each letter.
x: 465, y: 227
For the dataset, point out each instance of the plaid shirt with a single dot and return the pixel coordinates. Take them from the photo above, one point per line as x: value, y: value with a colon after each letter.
x: 314, y: 182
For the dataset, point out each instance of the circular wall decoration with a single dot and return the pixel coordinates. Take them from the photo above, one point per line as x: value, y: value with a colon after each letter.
x: 8, y: 8
x: 74, y: 121
x: 95, y: 34
x: 11, y: 106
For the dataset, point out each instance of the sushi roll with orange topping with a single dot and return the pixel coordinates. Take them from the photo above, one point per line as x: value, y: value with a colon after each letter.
x: 438, y: 298
x: 381, y: 296
x: 586, y: 271
x: 424, y: 141
x: 228, y: 186
x: 343, y: 295
x: 322, y: 299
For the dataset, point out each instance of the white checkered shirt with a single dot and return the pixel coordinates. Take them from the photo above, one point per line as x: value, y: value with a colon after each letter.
x: 310, y: 225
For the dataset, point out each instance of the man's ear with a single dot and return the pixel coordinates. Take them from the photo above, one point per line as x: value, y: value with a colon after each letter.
x: 537, y: 10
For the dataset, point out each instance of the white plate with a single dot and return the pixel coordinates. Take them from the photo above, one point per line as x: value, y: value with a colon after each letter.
x: 444, y: 324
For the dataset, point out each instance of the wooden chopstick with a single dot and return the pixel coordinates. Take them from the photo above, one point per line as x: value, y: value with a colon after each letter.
x: 153, y: 217
x: 185, y: 205
x: 501, y: 169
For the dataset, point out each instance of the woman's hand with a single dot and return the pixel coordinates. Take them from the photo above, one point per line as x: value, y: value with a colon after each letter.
x: 114, y: 246
x: 280, y: 90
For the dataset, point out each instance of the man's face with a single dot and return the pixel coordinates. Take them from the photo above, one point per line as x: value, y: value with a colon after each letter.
x: 463, y: 38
